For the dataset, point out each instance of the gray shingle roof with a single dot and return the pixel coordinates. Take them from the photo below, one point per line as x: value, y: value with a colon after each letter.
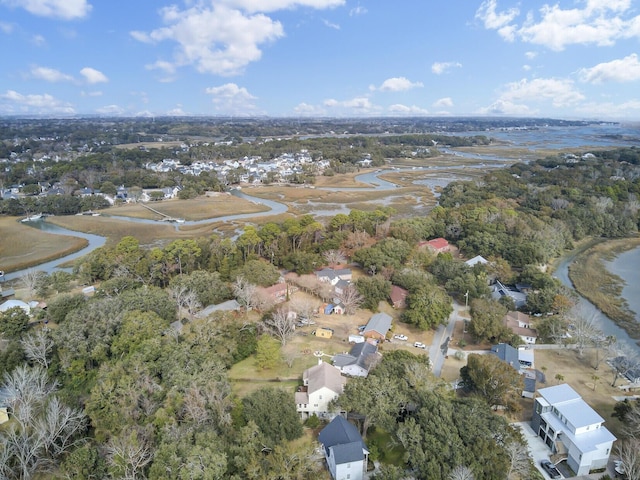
x: 344, y: 439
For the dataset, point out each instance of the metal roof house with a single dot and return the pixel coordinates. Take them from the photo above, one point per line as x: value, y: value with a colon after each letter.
x: 572, y: 429
x: 345, y: 452
x: 378, y: 326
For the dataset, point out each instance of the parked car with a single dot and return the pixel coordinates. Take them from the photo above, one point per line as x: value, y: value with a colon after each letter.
x: 404, y: 338
x: 420, y: 345
x: 551, y: 469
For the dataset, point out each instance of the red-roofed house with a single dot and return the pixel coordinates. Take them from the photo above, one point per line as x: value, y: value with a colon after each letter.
x: 438, y: 245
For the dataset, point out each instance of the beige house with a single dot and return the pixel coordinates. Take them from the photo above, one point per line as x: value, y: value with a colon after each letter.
x: 520, y: 324
x: 321, y: 384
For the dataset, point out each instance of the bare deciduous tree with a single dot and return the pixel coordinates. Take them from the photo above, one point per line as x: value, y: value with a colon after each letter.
x: 629, y: 454
x: 519, y: 462
x: 129, y: 453
x: 334, y: 257
x: 584, y: 331
x: 281, y: 325
x: 357, y: 239
x: 30, y: 280
x: 185, y: 299
x: 461, y: 473
x: 37, y: 347
x: 245, y: 293
x: 43, y: 429
x: 302, y: 307
x: 351, y: 299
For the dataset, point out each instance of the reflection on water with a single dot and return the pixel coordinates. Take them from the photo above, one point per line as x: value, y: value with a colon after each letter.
x: 589, y: 310
x: 626, y: 266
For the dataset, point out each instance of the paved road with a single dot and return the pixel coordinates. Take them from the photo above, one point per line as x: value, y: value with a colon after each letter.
x: 441, y: 340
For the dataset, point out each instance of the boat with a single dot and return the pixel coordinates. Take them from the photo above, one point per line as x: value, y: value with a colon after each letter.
x: 32, y: 218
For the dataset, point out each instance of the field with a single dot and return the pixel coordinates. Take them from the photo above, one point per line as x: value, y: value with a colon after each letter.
x: 298, y: 353
x: 201, y: 208
x: 23, y: 246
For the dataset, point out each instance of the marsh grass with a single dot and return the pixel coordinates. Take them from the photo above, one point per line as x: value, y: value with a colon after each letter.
x: 23, y: 246
x: 592, y: 280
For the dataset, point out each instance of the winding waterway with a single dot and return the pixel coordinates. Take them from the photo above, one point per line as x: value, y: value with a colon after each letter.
x: 543, y: 138
x: 589, y: 310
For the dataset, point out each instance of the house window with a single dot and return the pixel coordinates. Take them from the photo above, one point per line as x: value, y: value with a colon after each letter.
x: 319, y: 397
x: 348, y: 465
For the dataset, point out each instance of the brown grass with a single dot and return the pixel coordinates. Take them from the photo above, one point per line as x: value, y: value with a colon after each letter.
x: 604, y: 289
x: 245, y: 378
x: 23, y: 246
x: 200, y: 208
x: 577, y: 371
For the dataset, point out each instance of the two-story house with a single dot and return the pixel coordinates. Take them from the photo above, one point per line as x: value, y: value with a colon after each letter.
x: 571, y: 429
x: 343, y: 448
x: 322, y: 383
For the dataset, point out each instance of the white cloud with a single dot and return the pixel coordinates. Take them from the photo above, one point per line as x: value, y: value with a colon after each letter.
x: 49, y: 74
x: 114, y: 110
x: 444, y: 67
x: 531, y: 55
x: 502, y: 107
x: 177, y: 111
x: 95, y: 93
x: 274, y: 5
x: 397, y: 84
x: 307, y: 109
x: 628, y: 109
x: 497, y: 21
x: 353, y: 106
x: 400, y: 109
x: 222, y: 37
x: 593, y: 22
x: 215, y: 39
x: 38, y: 41
x: 6, y: 28
x: 232, y: 99
x: 626, y: 69
x: 327, y: 23
x: 560, y: 92
x: 445, y: 102
x: 526, y: 96
x: 357, y: 11
x: 14, y: 102
x: 92, y: 75
x: 64, y: 9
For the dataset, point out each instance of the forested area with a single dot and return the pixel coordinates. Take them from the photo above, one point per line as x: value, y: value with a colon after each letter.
x: 110, y: 387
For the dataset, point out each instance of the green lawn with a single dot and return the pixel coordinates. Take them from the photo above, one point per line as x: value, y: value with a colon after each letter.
x: 246, y: 378
x: 389, y: 452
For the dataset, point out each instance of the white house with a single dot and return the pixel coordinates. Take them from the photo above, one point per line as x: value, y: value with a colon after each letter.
x: 345, y: 452
x: 358, y: 361
x: 572, y: 429
x: 15, y: 303
x: 333, y: 276
x: 322, y: 383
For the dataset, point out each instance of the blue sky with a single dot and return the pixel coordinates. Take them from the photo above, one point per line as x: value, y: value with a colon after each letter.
x: 574, y: 59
